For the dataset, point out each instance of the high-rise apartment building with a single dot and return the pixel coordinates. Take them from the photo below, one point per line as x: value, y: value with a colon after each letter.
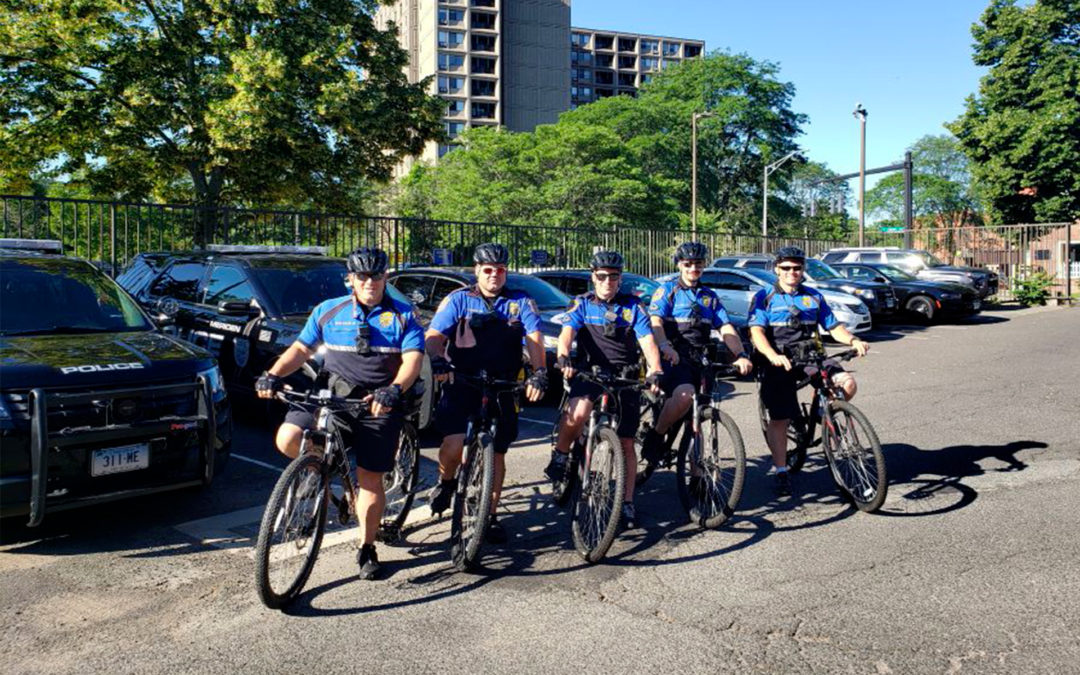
x: 518, y: 63
x: 607, y: 63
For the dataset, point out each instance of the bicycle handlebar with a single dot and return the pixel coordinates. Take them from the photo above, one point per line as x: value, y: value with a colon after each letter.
x: 482, y: 379
x: 606, y: 380
x: 322, y: 397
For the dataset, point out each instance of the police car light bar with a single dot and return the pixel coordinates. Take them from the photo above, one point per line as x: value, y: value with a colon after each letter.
x: 39, y: 245
x: 239, y: 248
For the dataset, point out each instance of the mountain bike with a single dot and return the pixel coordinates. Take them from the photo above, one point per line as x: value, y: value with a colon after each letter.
x: 595, y: 475
x: 294, y: 521
x: 710, y: 457
x: 476, y: 475
x: 847, y: 438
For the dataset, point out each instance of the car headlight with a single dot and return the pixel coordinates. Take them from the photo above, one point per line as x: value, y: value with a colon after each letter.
x: 950, y: 296
x: 856, y: 307
x: 217, y: 383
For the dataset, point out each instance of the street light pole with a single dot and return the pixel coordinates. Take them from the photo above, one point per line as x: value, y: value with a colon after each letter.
x: 860, y: 114
x: 769, y: 168
x: 693, y: 169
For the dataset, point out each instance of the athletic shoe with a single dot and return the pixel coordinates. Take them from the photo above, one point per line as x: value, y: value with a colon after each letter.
x: 556, y: 468
x: 629, y: 515
x: 368, y: 560
x: 496, y: 533
x: 442, y: 494
x: 782, y: 483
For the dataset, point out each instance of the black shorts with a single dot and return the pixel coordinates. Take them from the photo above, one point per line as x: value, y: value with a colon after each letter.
x: 460, y: 400
x: 629, y: 405
x: 373, y: 440
x: 778, y: 388
x: 682, y: 373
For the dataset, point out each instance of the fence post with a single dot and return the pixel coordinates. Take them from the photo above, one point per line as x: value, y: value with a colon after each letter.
x: 296, y: 229
x: 112, y: 239
x: 1068, y: 261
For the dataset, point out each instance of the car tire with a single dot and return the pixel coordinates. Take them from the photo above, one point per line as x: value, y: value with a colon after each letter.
x: 921, y: 306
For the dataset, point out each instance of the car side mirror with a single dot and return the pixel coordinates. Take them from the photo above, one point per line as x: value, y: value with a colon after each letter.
x: 236, y: 308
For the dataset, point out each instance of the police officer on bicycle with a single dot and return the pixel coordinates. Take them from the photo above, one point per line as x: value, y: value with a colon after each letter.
x: 683, y: 316
x: 784, y: 323
x: 482, y: 327
x: 373, y: 345
x: 612, y: 331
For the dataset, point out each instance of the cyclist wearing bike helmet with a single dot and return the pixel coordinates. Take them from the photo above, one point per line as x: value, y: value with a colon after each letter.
x: 481, y: 327
x: 683, y: 315
x: 612, y: 330
x: 372, y: 344
x: 784, y: 322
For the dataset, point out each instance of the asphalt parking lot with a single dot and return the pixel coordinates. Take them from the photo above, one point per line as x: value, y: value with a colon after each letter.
x: 968, y: 567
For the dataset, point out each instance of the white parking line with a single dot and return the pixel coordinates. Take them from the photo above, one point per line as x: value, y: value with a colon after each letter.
x: 535, y: 421
x: 257, y: 462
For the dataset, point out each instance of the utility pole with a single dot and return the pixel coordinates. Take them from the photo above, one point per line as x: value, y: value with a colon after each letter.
x: 769, y: 168
x: 860, y: 114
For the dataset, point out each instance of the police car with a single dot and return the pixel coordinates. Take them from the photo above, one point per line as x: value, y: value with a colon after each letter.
x: 95, y: 403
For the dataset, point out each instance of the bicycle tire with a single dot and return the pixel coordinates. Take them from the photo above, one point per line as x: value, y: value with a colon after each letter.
x: 595, y: 519
x: 399, y: 484
x: 864, y: 483
x: 797, y: 435
x: 472, y: 503
x: 721, y: 459
x: 279, y: 514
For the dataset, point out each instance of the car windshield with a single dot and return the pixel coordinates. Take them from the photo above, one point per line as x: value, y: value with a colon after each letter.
x: 62, y: 296
x: 638, y: 286
x: 928, y: 259
x: 298, y: 285
x: 762, y: 277
x: 895, y: 273
x: 819, y: 271
x: 547, y: 297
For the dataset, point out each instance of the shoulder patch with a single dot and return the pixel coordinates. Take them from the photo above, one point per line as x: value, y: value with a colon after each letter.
x: 658, y: 293
x: 627, y: 314
x: 513, y: 309
x: 807, y: 301
x: 385, y: 319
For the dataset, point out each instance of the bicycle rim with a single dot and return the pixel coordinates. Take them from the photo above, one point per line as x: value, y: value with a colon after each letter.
x: 712, y: 468
x: 472, y: 503
x: 854, y: 453
x: 291, y: 531
x: 601, y: 483
x: 400, y: 483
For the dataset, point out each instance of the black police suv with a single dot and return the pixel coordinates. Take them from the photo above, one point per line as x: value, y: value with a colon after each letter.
x: 926, y: 300
x: 96, y: 404
x: 578, y: 282
x: 245, y: 304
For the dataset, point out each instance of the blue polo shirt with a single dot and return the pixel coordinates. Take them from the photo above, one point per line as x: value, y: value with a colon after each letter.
x: 773, y: 309
x: 334, y: 325
x: 486, y: 333
x: 610, y: 348
x: 689, y: 313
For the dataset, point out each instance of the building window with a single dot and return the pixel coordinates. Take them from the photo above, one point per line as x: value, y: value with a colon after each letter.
x: 483, y: 88
x: 581, y: 58
x: 483, y: 110
x: 483, y: 3
x: 581, y: 92
x: 650, y: 47
x: 627, y: 44
x: 667, y: 63
x: 579, y: 39
x: 692, y: 51
x: 483, y: 21
x: 483, y: 66
x: 604, y: 60
x: 454, y: 128
x: 583, y: 74
x: 626, y: 79
x: 449, y: 39
x: 604, y: 42
x: 649, y: 63
x: 451, y: 62
x: 646, y: 78
x: 483, y: 43
x: 604, y: 93
x: 445, y: 148
x: 450, y: 17
x: 627, y: 62
x: 604, y: 78
x: 450, y: 85
x: 455, y: 107
x: 671, y: 48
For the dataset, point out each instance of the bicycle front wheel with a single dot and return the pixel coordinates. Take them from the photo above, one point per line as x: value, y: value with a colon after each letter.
x: 399, y: 484
x: 472, y: 503
x: 601, y: 484
x: 855, y: 456
x: 712, y: 467
x: 291, y: 531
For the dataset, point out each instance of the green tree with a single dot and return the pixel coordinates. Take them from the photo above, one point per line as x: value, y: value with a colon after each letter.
x: 942, y: 190
x: 809, y: 199
x: 1022, y: 129
x: 211, y: 101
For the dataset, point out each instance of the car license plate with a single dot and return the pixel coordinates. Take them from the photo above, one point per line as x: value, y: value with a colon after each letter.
x: 118, y: 460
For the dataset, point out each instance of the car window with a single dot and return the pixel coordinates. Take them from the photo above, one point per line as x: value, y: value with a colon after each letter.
x: 296, y: 286
x: 575, y: 286
x: 820, y: 271
x: 415, y: 287
x: 443, y: 287
x: 546, y: 296
x: 861, y: 273
x: 227, y: 284
x: 638, y: 286
x: 834, y: 256
x: 179, y: 281
x: 756, y: 264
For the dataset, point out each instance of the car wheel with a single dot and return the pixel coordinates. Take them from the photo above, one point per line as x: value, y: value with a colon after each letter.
x: 922, y: 306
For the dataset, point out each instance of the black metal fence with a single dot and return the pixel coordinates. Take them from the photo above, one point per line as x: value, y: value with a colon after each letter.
x: 112, y: 232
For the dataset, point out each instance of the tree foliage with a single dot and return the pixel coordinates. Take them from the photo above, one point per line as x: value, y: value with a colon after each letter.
x: 1022, y: 129
x: 271, y: 101
x: 625, y: 160
x: 810, y: 202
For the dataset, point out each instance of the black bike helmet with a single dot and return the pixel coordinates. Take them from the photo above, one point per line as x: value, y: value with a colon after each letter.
x: 691, y: 250
x: 793, y: 253
x: 491, y: 254
x: 607, y: 259
x: 367, y: 260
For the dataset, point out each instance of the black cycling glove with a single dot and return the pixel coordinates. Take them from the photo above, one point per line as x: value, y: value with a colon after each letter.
x: 563, y: 362
x: 389, y: 396
x: 653, y: 379
x: 268, y: 382
x: 538, y: 380
x: 440, y: 366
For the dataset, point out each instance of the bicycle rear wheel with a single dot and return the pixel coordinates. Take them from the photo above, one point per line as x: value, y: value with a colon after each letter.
x: 472, y: 503
x: 291, y: 531
x: 400, y: 483
x: 712, y: 467
x: 602, y: 480
x: 798, y: 437
x: 855, y: 457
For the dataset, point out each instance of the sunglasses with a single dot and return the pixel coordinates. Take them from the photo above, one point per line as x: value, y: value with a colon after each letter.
x: 607, y: 276
x: 362, y: 277
x: 492, y: 271
x: 789, y: 268
x: 690, y: 264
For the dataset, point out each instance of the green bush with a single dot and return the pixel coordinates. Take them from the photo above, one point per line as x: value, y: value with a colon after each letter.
x: 1033, y: 287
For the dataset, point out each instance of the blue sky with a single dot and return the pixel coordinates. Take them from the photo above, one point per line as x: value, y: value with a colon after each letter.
x: 909, y: 63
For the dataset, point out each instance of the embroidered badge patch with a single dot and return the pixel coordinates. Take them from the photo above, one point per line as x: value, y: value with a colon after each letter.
x: 385, y: 319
